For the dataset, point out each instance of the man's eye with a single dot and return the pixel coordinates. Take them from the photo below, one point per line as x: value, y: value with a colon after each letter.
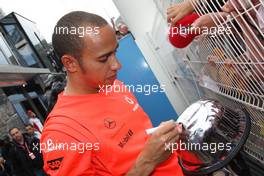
x: 104, y: 60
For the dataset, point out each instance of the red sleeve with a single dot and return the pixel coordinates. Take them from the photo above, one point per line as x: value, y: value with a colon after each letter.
x: 63, y: 155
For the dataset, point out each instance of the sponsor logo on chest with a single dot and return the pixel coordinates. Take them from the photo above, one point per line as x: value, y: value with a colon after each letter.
x: 126, y: 138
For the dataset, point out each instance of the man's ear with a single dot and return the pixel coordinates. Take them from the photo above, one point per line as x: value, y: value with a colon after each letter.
x: 70, y: 63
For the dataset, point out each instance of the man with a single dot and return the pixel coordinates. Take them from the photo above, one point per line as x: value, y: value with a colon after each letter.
x: 32, y: 131
x: 34, y: 120
x: 25, y: 154
x: 2, y: 167
x: 111, y: 125
x: 5, y: 147
x: 122, y: 30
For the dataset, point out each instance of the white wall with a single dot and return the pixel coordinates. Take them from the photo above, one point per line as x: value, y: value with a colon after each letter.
x: 141, y: 16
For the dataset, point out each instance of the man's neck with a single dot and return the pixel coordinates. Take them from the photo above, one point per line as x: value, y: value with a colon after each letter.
x: 73, y: 88
x: 21, y: 142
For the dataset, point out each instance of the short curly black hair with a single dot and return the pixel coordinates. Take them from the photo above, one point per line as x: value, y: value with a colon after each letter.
x: 68, y: 42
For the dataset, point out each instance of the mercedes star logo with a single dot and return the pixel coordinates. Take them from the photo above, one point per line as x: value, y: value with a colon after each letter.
x: 109, y: 123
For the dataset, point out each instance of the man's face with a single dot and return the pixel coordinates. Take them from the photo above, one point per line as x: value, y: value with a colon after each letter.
x: 30, y: 114
x: 99, y: 64
x: 123, y: 29
x: 30, y: 130
x: 16, y: 134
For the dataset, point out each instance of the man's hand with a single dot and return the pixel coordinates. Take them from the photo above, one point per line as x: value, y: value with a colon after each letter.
x: 178, y: 11
x: 240, y: 5
x: 208, y: 21
x: 155, y: 151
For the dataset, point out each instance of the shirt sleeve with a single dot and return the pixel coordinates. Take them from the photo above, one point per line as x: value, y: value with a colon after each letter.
x: 64, y: 155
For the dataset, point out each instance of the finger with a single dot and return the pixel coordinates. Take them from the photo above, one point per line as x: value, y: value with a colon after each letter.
x: 162, y: 123
x: 165, y: 127
x: 168, y: 137
x: 172, y: 7
x: 172, y: 142
x: 196, y: 23
x: 225, y: 9
x: 179, y: 127
x: 169, y: 10
x: 173, y: 12
x: 168, y: 19
x: 170, y: 16
x: 176, y: 19
x: 173, y: 20
x: 175, y: 134
x: 166, y: 122
x: 228, y: 7
x: 172, y: 134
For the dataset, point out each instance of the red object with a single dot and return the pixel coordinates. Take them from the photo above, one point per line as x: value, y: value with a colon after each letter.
x: 179, y: 36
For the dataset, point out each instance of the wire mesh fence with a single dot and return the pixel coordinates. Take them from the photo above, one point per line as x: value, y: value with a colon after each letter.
x: 228, y: 66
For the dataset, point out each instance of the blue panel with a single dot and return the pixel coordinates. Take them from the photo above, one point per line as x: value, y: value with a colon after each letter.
x: 135, y: 71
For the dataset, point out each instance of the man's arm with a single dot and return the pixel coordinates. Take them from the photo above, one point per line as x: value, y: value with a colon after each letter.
x: 154, y: 152
x: 142, y: 168
x: 180, y: 10
x: 61, y: 159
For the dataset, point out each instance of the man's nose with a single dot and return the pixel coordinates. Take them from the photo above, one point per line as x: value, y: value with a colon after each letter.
x: 115, y: 65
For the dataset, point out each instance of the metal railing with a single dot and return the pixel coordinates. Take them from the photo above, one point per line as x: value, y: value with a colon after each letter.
x: 228, y: 67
